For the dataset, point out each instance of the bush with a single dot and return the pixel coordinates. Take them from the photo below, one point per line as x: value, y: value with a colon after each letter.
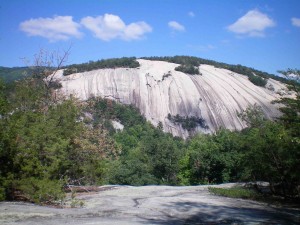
x: 189, y: 69
x: 2, y: 194
x: 235, y: 192
x: 41, y: 191
x: 188, y: 123
x: 258, y: 81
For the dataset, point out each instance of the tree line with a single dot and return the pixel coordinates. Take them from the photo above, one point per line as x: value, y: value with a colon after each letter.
x: 188, y: 64
x: 127, y: 62
x: 191, y: 63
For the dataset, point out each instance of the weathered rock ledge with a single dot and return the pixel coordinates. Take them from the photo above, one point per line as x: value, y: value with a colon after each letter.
x: 150, y: 205
x: 157, y: 90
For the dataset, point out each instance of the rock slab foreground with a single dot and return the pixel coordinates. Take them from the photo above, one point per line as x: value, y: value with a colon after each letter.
x: 150, y: 205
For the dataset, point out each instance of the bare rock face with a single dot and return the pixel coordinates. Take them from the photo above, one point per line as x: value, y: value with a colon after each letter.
x: 158, y: 90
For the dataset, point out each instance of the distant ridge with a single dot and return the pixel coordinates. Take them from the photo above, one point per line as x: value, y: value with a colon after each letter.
x: 14, y: 73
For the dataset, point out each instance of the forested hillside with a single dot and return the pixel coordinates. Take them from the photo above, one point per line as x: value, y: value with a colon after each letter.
x: 15, y: 73
x: 49, y: 142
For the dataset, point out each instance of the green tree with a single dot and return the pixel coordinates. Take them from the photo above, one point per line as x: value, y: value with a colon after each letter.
x: 3, y: 99
x: 164, y: 154
x: 270, y: 154
x: 211, y: 159
x: 253, y: 116
x: 257, y: 80
x: 134, y: 168
x: 291, y: 109
x: 44, y: 144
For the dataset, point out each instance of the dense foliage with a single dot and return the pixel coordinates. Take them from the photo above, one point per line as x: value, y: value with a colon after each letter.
x: 44, y: 146
x: 258, y: 81
x: 183, y: 60
x: 102, y: 64
x: 188, y: 123
x: 265, y: 151
x: 236, y: 192
x: 189, y: 69
x: 291, y: 109
x: 15, y: 73
x: 148, y: 155
x: 187, y: 65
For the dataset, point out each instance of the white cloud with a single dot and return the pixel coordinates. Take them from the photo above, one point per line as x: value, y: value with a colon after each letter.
x: 296, y: 21
x: 253, y: 24
x: 111, y: 26
x: 191, y: 14
x: 176, y: 26
x: 54, y: 29
x: 136, y: 30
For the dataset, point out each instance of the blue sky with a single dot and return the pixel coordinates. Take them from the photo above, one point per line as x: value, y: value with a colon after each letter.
x: 261, y: 34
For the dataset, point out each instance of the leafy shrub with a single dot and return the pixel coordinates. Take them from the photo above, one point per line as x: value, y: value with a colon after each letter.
x: 69, y: 70
x: 41, y: 191
x: 235, y: 192
x: 14, y: 73
x: 189, y: 69
x: 257, y: 80
x: 188, y: 123
x: 104, y: 110
x: 75, y: 202
x: 2, y: 194
x: 183, y: 60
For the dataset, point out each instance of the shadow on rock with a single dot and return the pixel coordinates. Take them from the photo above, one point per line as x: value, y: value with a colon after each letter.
x: 199, y: 213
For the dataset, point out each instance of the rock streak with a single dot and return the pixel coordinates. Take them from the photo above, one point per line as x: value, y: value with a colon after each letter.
x: 157, y: 90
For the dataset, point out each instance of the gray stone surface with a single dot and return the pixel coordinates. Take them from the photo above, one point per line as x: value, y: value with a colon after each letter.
x: 150, y: 205
x: 157, y: 89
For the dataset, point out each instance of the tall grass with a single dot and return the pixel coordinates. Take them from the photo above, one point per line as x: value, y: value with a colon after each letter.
x: 235, y: 192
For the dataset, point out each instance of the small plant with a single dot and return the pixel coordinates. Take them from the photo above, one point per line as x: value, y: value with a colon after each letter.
x: 188, y: 123
x: 2, y: 194
x: 257, y: 80
x: 166, y: 75
x: 235, y: 192
x: 69, y: 71
x: 189, y: 69
x: 75, y: 202
x: 271, y: 87
x: 40, y: 191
